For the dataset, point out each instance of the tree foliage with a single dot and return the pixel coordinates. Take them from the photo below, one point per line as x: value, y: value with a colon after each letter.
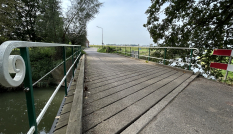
x: 49, y: 23
x: 204, y: 24
x: 42, y: 20
x: 81, y: 12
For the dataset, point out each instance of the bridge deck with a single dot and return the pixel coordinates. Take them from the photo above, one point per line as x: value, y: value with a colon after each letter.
x: 128, y: 96
x: 120, y: 90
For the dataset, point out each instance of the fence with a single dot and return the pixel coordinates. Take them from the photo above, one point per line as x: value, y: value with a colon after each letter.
x: 134, y: 51
x: 20, y: 65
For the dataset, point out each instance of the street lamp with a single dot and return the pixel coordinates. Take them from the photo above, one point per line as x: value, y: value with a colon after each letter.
x: 102, y: 36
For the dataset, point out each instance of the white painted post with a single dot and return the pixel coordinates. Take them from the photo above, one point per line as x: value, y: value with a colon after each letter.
x: 226, y: 70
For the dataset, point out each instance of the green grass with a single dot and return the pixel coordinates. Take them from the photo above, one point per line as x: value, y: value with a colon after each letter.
x: 230, y: 74
x: 101, y: 50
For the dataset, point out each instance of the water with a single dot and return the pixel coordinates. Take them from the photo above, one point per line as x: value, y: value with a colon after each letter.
x: 13, y: 110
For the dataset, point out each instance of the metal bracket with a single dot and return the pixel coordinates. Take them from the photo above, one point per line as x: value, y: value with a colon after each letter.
x: 26, y: 89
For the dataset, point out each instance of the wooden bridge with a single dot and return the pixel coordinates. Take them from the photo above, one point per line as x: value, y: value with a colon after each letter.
x: 125, y: 95
x: 111, y: 93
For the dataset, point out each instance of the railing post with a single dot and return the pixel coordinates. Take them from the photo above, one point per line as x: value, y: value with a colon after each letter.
x: 165, y: 51
x: 72, y: 49
x: 149, y: 55
x: 225, y: 77
x: 76, y: 65
x: 138, y: 51
x: 125, y: 50
x: 29, y: 89
x: 130, y: 52
x: 80, y: 51
x: 64, y: 59
x: 191, y: 55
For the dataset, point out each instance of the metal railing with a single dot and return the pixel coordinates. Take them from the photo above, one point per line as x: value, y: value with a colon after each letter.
x: 119, y: 49
x: 20, y: 65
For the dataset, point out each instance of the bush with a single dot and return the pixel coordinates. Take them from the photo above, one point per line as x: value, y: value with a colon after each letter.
x: 83, y: 52
x: 42, y: 61
x: 106, y: 50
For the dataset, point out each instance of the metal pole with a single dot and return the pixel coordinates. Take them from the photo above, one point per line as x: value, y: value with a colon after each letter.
x: 149, y: 55
x: 79, y: 52
x: 230, y: 58
x: 72, y: 49
x: 24, y: 52
x: 191, y: 55
x: 165, y: 51
x: 102, y: 37
x: 125, y: 50
x: 64, y: 64
x: 138, y: 51
x: 76, y: 65
x: 130, y: 52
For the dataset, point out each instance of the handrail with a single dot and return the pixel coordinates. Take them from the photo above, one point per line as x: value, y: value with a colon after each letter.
x: 194, y: 51
x: 31, y: 130
x: 51, y: 71
x: 53, y: 95
x: 6, y: 58
x: 21, y: 66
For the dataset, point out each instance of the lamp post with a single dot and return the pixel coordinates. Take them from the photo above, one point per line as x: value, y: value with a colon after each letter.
x: 102, y: 36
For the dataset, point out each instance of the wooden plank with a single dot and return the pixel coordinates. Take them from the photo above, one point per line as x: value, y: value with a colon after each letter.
x: 110, y: 110
x: 101, y: 103
x: 135, y: 127
x: 66, y: 108
x: 61, y: 126
x: 75, y: 120
x: 126, y: 117
x: 69, y: 99
x: 61, y: 131
x: 63, y: 121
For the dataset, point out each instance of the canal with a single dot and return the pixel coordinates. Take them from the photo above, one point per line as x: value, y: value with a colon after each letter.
x: 13, y: 110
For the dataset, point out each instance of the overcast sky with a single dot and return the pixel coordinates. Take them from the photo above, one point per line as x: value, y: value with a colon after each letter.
x: 122, y: 22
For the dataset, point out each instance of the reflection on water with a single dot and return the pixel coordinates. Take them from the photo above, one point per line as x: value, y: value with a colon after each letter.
x: 13, y: 110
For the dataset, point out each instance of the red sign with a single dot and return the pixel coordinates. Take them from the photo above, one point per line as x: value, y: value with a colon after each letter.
x: 219, y: 65
x: 222, y: 52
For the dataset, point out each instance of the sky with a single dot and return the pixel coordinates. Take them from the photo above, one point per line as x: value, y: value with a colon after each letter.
x: 122, y: 22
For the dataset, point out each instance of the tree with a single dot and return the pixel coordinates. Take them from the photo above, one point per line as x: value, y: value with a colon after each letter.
x: 18, y: 18
x: 76, y: 19
x: 205, y: 24
x: 81, y: 12
x: 49, y: 23
x: 8, y: 20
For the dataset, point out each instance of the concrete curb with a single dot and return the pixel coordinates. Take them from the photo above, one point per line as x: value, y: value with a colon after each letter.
x: 150, y: 62
x: 75, y: 119
x: 145, y: 119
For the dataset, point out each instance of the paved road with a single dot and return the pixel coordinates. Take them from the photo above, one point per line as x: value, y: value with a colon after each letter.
x: 124, y: 95
x: 204, y: 107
